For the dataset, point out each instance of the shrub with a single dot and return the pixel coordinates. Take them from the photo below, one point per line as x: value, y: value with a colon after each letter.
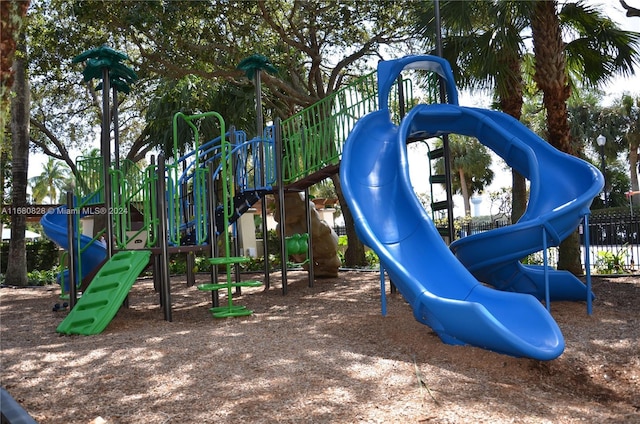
x: 611, y: 263
x: 41, y: 255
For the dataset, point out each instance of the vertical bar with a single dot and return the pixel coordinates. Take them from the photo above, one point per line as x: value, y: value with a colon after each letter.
x: 307, y: 209
x: 383, y: 292
x: 213, y: 238
x: 401, y: 99
x: 280, y: 182
x: 587, y: 264
x: 259, y: 118
x: 71, y: 225
x: 105, y: 146
x: 265, y: 242
x: 165, y: 285
x: 445, y: 137
x: 236, y: 253
x: 546, y: 270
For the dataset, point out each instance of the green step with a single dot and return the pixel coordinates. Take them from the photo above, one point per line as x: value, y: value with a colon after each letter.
x: 438, y: 179
x: 438, y: 206
x: 223, y: 286
x: 436, y: 153
x: 102, y: 299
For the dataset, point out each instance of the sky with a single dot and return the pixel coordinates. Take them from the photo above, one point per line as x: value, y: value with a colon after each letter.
x: 502, y: 177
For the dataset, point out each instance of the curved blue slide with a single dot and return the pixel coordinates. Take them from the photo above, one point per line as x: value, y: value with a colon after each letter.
x: 54, y: 224
x: 442, y: 292
x: 561, y: 190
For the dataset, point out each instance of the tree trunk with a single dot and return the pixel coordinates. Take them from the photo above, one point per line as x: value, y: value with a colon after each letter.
x: 17, y: 259
x: 551, y: 77
x: 465, y: 193
x: 12, y: 15
x: 510, y: 92
x: 571, y: 249
x: 518, y: 195
x: 550, y: 73
x: 354, y: 255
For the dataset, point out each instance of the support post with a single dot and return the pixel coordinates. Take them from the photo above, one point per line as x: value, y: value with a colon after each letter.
x: 165, y: 285
x: 105, y: 148
x: 311, y: 263
x: 280, y: 182
x: 547, y: 298
x: 445, y: 137
x: 265, y: 243
x: 213, y: 237
x: 587, y: 263
x: 383, y: 292
x: 73, y: 248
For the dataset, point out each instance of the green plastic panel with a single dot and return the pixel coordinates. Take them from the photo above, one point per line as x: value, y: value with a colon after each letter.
x: 104, y: 296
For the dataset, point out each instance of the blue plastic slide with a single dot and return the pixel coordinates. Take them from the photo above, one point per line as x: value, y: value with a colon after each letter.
x: 562, y: 188
x: 389, y: 218
x: 54, y: 224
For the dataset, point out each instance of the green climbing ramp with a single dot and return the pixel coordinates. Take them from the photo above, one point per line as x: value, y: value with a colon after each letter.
x: 104, y: 296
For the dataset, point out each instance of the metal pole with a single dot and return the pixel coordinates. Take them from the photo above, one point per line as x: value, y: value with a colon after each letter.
x: 265, y: 242
x: 401, y: 105
x: 105, y: 148
x: 603, y: 165
x: 213, y: 238
x: 260, y: 122
x: 157, y: 273
x: 587, y: 264
x: 116, y: 129
x: 383, y: 292
x: 71, y: 225
x: 280, y: 181
x: 307, y: 209
x: 165, y: 285
x: 445, y: 137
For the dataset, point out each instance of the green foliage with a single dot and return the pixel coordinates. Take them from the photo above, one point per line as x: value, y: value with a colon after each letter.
x: 609, y: 262
x: 42, y: 278
x: 372, y: 258
x: 533, y: 259
x: 41, y: 255
x: 257, y: 264
x: 470, y: 167
x: 53, y: 180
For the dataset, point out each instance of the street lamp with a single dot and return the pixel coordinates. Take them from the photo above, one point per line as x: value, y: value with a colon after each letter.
x: 602, y: 140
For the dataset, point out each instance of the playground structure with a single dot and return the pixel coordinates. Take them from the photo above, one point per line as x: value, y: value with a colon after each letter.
x: 190, y: 203
x: 185, y: 205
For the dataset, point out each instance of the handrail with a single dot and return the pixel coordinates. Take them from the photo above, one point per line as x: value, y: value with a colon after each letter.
x: 313, y: 138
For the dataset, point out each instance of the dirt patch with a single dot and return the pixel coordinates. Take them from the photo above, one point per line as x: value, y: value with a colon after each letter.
x: 318, y: 355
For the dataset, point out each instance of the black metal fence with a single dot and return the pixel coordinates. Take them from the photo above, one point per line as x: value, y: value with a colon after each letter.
x: 614, y: 241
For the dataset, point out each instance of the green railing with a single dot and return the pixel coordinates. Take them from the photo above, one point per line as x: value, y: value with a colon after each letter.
x: 134, y: 202
x: 313, y: 138
x: 134, y: 196
x: 89, y: 186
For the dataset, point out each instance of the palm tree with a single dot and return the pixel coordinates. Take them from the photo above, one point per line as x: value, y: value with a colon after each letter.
x: 53, y: 178
x: 485, y: 45
x: 597, y: 38
x: 484, y: 40
x: 12, y: 14
x: 17, y: 259
x: 470, y: 168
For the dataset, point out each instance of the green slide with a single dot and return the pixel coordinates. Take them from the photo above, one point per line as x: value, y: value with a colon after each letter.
x: 104, y: 296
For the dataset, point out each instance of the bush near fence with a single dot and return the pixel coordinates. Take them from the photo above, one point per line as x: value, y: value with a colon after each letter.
x: 42, y: 255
